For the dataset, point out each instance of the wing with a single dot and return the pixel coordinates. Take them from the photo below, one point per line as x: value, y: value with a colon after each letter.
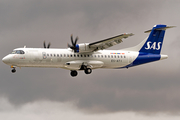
x: 103, y: 44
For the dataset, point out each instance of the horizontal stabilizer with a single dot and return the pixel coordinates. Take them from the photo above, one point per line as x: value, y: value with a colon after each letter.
x: 162, y: 28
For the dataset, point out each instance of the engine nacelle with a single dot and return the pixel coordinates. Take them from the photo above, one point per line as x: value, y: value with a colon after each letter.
x: 83, y: 48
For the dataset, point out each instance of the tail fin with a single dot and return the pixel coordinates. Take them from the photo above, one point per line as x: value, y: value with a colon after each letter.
x: 155, y: 40
x: 153, y: 43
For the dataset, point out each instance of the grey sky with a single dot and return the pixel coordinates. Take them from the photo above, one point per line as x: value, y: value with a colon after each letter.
x: 150, y: 88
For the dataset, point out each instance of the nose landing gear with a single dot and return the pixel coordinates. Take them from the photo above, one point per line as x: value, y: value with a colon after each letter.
x: 13, y: 70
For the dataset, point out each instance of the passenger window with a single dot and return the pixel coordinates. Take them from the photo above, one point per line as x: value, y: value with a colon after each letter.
x: 78, y: 55
x: 81, y: 55
x: 124, y: 56
x: 71, y: 55
x: 74, y: 55
x: 118, y: 56
x: 105, y: 56
x: 88, y: 55
x: 67, y: 55
x: 102, y: 56
x: 57, y: 55
x: 111, y: 56
x: 84, y: 55
x: 54, y: 55
x: 98, y: 56
x: 94, y: 55
x: 108, y: 56
x: 115, y: 56
x: 121, y: 56
x: 61, y: 55
x: 64, y: 55
x: 51, y: 55
x: 47, y: 54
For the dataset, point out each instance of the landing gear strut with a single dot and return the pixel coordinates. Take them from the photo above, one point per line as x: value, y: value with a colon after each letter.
x: 74, y: 73
x: 86, y: 69
x: 13, y: 70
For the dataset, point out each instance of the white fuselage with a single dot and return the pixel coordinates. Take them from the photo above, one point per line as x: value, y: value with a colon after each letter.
x: 67, y: 59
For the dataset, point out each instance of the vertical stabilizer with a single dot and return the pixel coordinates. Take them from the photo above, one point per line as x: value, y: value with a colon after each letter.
x: 154, y: 42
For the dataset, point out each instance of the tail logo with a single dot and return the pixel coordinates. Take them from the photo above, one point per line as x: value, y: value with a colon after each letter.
x: 154, y: 46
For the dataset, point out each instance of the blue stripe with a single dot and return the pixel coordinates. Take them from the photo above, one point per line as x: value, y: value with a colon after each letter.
x: 143, y: 58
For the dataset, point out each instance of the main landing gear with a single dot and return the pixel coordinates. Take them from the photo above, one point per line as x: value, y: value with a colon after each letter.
x: 74, y: 73
x: 88, y: 70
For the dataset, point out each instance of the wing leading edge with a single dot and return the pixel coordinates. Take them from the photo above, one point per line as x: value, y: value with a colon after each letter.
x: 103, y: 44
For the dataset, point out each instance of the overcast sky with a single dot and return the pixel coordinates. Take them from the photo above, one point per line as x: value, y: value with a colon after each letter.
x: 149, y: 91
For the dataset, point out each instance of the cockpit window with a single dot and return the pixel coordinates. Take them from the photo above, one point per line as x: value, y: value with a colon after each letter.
x: 13, y: 52
x: 18, y: 52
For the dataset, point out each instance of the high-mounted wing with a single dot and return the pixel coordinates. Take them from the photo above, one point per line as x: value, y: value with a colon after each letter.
x: 103, y: 44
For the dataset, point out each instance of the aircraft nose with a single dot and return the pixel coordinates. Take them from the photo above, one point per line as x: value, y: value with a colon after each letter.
x: 6, y: 59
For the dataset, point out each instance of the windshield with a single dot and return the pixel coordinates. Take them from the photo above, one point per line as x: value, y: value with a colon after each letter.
x: 17, y: 52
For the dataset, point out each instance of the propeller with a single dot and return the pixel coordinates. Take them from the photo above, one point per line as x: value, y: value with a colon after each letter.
x: 73, y: 46
x: 48, y: 46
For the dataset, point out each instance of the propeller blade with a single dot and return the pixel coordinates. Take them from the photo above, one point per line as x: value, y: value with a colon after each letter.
x: 73, y: 46
x: 49, y: 45
x: 44, y: 44
x: 76, y: 41
x: 72, y: 39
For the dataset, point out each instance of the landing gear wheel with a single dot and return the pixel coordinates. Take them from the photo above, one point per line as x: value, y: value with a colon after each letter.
x: 74, y: 73
x: 88, y: 71
x: 13, y: 70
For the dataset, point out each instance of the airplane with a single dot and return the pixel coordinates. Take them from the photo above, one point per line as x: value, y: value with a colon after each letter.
x: 89, y: 56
